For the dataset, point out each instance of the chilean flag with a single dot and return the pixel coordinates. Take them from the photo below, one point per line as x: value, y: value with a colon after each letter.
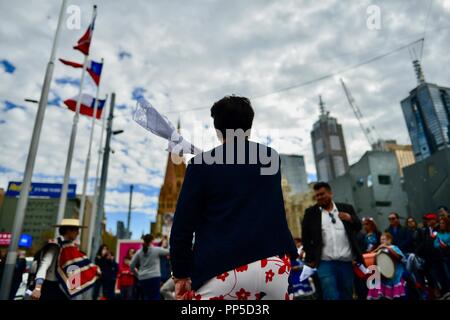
x: 84, y: 42
x: 86, y: 106
x: 93, y: 68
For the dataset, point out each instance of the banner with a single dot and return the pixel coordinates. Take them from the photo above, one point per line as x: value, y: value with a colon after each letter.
x: 41, y: 190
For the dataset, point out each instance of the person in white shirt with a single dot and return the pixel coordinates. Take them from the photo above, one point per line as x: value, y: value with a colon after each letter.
x: 329, y: 240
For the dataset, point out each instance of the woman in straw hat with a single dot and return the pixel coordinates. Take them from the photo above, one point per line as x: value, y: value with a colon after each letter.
x: 63, y: 270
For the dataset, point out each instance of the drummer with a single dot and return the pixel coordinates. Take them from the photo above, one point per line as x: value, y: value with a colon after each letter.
x: 393, y: 288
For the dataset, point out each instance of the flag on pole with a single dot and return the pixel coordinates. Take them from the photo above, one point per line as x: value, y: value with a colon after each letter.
x: 87, y: 105
x: 93, y: 68
x: 84, y: 42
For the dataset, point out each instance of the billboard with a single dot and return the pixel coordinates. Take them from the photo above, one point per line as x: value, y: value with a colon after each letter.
x: 123, y: 246
x: 41, y: 190
x: 25, y: 240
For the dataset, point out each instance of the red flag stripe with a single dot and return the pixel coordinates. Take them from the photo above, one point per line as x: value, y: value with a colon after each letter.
x: 70, y: 63
x: 84, y: 110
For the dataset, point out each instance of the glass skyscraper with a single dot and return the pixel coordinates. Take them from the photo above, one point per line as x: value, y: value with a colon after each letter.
x: 294, y: 170
x: 427, y: 115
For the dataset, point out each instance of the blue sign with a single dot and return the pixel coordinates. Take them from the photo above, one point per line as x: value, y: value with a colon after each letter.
x: 25, y: 241
x: 41, y: 190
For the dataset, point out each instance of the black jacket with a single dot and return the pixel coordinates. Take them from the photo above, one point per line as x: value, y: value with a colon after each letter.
x: 236, y: 213
x: 402, y: 238
x: 426, y: 249
x: 312, y: 232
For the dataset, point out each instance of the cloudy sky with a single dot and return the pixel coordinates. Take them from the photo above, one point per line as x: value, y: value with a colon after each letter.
x: 184, y: 57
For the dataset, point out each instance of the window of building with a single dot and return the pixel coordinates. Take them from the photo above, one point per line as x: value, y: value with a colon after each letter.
x: 369, y: 181
x: 431, y: 169
x: 339, y: 167
x: 335, y: 143
x: 319, y: 146
x: 360, y: 182
x: 332, y: 126
x: 382, y: 203
x: 384, y: 179
x: 323, y: 170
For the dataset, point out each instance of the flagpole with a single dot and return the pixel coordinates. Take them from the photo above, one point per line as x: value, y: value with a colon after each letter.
x: 73, y: 136
x: 88, y: 158
x: 32, y: 151
x: 97, y: 172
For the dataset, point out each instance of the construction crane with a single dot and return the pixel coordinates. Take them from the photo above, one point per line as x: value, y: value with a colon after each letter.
x: 370, y: 133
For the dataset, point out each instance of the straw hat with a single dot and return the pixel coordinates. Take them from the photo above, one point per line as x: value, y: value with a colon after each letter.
x: 70, y: 223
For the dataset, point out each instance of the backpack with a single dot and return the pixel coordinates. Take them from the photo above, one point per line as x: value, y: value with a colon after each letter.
x: 36, y: 264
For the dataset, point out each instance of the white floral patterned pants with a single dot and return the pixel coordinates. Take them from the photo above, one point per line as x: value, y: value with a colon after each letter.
x: 264, y: 279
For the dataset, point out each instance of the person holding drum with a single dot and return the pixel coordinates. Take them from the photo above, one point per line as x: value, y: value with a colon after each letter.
x: 390, y: 261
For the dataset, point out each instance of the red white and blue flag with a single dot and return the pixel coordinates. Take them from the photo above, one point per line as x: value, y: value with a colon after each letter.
x: 87, y: 105
x: 93, y: 68
x: 84, y: 43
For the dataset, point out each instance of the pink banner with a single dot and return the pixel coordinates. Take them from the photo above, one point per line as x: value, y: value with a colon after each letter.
x: 123, y: 246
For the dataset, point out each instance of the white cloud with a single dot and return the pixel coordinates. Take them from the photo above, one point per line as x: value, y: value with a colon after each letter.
x: 190, y: 56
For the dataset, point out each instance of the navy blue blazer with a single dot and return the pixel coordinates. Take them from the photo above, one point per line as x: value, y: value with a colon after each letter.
x: 402, y: 238
x: 237, y: 215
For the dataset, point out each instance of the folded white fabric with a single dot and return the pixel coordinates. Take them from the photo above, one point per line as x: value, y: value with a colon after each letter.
x: 307, y: 272
x: 149, y: 118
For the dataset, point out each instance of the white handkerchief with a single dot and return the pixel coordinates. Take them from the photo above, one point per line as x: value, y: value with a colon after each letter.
x: 149, y: 118
x: 307, y: 272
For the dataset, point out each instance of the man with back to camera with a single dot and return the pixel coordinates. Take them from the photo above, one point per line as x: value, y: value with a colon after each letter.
x: 329, y: 239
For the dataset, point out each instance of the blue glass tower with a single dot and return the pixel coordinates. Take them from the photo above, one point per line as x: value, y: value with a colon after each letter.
x: 427, y: 115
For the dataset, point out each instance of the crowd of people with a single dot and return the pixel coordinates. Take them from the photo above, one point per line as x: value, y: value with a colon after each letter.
x: 342, y: 249
x: 140, y: 275
x: 230, y: 240
x: 421, y: 254
x: 143, y: 274
x: 19, y: 270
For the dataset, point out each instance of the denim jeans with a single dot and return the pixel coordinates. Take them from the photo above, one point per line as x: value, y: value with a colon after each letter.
x: 336, y: 280
x: 150, y: 288
x: 127, y: 293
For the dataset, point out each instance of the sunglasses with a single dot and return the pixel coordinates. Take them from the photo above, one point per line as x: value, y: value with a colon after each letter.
x: 333, y: 219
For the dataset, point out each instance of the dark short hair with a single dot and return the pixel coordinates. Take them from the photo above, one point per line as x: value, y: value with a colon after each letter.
x: 443, y: 207
x: 320, y: 185
x: 148, y: 238
x: 64, y: 229
x: 232, y: 112
x: 395, y: 214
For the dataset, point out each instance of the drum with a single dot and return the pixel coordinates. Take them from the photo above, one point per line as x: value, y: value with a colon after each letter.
x: 385, y: 264
x: 369, y: 259
x: 382, y: 260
